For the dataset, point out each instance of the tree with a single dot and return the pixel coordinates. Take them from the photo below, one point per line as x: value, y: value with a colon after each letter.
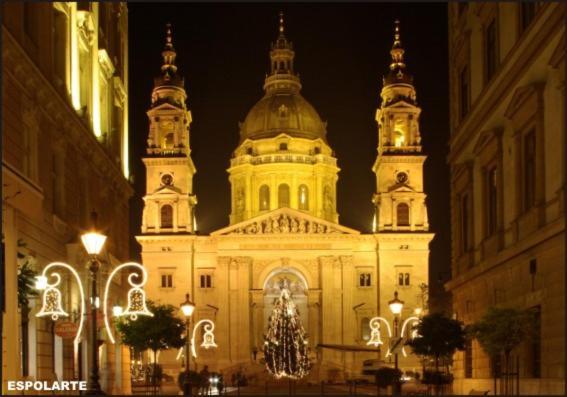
x: 162, y: 331
x: 500, y: 330
x: 285, y: 344
x: 438, y: 337
x: 26, y: 290
x: 26, y: 277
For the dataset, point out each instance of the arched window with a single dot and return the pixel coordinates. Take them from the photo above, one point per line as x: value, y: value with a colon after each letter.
x: 166, y: 216
x: 283, y: 146
x: 365, y: 329
x: 283, y: 195
x: 403, y: 214
x: 168, y: 141
x: 303, y: 197
x: 399, y: 138
x: 264, y: 197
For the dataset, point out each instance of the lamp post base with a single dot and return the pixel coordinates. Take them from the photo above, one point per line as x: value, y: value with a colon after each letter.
x: 187, y: 390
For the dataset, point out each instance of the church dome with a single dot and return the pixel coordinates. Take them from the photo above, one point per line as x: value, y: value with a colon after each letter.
x: 284, y: 111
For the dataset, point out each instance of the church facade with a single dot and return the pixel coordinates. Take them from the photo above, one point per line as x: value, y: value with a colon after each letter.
x: 284, y: 224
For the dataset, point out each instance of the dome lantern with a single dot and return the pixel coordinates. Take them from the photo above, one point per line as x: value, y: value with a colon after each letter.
x: 282, y: 109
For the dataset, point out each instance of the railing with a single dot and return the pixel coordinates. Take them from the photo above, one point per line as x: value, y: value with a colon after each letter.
x: 279, y: 158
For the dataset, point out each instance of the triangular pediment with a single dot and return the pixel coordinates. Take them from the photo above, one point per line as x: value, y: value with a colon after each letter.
x: 165, y: 107
x: 401, y: 187
x: 167, y: 190
x: 401, y: 103
x: 285, y: 221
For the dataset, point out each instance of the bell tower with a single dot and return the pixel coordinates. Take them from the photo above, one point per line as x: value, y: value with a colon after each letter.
x: 169, y: 201
x: 399, y: 199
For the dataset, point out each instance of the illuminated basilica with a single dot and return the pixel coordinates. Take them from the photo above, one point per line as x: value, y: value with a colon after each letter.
x: 284, y: 223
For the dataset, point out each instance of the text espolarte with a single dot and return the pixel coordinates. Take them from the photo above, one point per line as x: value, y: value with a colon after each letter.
x: 64, y: 385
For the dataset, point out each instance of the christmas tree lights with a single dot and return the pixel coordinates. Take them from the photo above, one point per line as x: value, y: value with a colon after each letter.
x: 285, y: 344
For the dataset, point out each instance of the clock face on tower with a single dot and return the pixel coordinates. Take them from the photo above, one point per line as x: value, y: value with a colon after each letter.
x: 402, y: 177
x: 167, y: 179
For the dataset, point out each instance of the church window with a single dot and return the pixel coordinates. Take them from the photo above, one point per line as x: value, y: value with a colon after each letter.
x: 264, y: 197
x: 365, y: 329
x: 283, y: 195
x: 402, y: 212
x: 365, y: 280
x: 303, y: 197
x: 206, y: 281
x: 166, y: 216
x: 317, y: 150
x: 167, y: 280
x: 283, y: 146
x: 399, y: 138
x: 249, y: 150
x: 168, y: 141
x: 403, y: 279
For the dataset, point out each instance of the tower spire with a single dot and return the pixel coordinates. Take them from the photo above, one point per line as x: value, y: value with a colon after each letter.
x: 281, y: 23
x: 397, y: 72
x: 281, y: 56
x: 281, y: 42
x: 397, y: 51
x: 168, y: 53
x: 168, y: 76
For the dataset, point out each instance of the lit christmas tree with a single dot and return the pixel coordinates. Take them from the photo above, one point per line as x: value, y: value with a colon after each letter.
x: 285, y: 344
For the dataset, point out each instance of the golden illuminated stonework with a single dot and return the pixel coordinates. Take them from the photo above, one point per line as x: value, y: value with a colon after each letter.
x: 283, y: 159
x: 284, y: 225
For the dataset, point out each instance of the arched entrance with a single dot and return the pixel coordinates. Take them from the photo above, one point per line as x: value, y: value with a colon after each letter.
x: 271, y: 290
x: 298, y: 287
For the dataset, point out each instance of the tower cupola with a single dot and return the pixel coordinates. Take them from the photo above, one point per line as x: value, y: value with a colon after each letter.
x: 169, y: 86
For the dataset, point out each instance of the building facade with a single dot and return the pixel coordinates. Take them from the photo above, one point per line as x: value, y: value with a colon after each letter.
x: 284, y: 224
x: 507, y: 158
x: 64, y: 154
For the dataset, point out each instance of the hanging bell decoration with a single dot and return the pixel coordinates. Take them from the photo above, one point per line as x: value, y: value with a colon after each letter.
x: 136, y: 304
x: 208, y: 337
x: 375, y: 333
x: 52, y: 304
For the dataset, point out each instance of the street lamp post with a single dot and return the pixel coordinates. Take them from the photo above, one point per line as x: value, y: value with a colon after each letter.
x: 396, y: 307
x: 93, y: 243
x: 187, y: 309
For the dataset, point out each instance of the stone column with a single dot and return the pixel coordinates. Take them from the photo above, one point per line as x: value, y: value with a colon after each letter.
x: 257, y: 321
x: 314, y: 311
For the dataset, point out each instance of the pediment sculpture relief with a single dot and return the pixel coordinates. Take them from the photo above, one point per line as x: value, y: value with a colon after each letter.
x: 285, y: 224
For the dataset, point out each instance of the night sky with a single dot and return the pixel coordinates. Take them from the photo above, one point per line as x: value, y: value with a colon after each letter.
x: 341, y: 54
